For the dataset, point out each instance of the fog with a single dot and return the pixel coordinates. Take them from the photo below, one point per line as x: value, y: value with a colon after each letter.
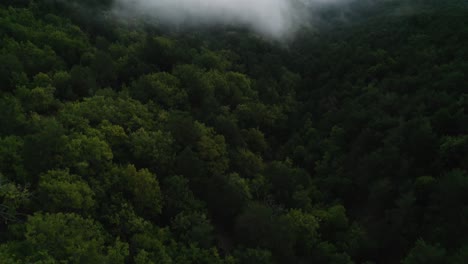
x: 272, y: 18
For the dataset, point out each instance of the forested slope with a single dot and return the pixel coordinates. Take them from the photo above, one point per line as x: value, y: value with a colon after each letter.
x: 124, y: 142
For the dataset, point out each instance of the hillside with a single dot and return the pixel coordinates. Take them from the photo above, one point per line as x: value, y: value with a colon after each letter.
x: 128, y: 142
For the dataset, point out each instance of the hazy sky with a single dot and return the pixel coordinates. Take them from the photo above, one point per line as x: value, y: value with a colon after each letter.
x: 274, y: 18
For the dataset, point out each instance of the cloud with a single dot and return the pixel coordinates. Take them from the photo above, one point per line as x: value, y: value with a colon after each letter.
x: 272, y: 18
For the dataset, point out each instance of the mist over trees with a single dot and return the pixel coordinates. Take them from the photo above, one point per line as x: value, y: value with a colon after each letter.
x: 126, y: 141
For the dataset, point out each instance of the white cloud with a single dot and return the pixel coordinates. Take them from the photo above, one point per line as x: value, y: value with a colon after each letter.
x: 275, y: 18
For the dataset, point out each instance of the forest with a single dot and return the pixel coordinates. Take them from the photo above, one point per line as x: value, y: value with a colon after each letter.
x: 128, y: 142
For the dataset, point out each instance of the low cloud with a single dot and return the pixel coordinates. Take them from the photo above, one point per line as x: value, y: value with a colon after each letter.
x: 272, y: 18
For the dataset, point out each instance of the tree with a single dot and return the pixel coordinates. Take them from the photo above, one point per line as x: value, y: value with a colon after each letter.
x: 62, y: 84
x: 226, y: 197
x: 162, y: 88
x: 425, y: 253
x: 82, y: 81
x: 13, y: 117
x: 152, y: 149
x: 200, y: 93
x: 39, y: 99
x: 144, y: 191
x: 103, y: 66
x: 44, y: 150
x: 259, y: 226
x: 87, y: 155
x: 286, y: 180
x: 255, y: 139
x: 67, y: 238
x: 254, y: 256
x: 11, y: 158
x: 247, y: 163
x: 150, y: 247
x: 211, y: 149
x: 60, y: 191
x: 10, y: 68
x: 178, y: 196
x: 13, y: 198
x: 305, y: 227
x: 193, y: 228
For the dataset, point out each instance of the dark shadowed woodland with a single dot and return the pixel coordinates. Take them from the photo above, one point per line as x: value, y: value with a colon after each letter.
x: 128, y: 142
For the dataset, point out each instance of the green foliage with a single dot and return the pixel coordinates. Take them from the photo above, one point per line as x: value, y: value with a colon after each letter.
x: 137, y: 143
x: 143, y: 186
x: 152, y: 149
x: 162, y: 88
x: 13, y: 198
x: 193, y: 228
x: 13, y: 117
x: 87, y: 155
x: 259, y: 226
x: 178, y: 196
x: 424, y: 253
x: 254, y: 256
x: 51, y: 238
x: 211, y: 149
x: 60, y: 191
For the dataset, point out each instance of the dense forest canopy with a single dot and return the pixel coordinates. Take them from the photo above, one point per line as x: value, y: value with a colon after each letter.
x: 123, y: 141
